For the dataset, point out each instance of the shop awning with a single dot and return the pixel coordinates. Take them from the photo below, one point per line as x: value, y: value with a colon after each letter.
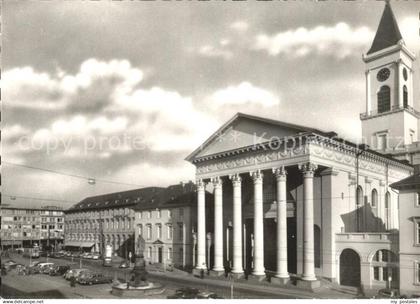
x: 79, y: 244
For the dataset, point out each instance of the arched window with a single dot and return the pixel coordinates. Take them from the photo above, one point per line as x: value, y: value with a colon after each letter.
x: 405, y: 96
x: 374, y: 198
x: 384, y: 99
x: 359, y: 195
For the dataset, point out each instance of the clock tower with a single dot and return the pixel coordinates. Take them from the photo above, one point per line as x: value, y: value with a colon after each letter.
x: 390, y: 123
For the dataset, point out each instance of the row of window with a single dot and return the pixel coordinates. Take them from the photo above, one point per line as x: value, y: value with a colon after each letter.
x: 158, y: 213
x: 112, y: 224
x: 35, y: 212
x: 158, y: 228
x: 103, y: 213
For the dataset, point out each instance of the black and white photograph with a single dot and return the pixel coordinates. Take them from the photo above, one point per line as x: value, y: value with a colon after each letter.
x: 210, y: 150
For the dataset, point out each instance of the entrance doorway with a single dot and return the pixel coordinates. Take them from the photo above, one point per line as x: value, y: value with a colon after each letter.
x: 160, y: 255
x: 349, y: 268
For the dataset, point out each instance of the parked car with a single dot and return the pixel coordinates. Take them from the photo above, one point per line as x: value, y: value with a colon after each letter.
x: 44, y: 267
x: 89, y: 256
x: 96, y: 256
x: 389, y: 293
x: 59, y: 270
x: 124, y: 264
x: 74, y: 273
x: 9, y: 265
x: 47, y: 268
x: 94, y: 278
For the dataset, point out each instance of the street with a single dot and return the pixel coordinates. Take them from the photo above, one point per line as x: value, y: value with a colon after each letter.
x: 45, y: 286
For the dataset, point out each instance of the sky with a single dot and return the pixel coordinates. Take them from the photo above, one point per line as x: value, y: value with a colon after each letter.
x: 124, y: 90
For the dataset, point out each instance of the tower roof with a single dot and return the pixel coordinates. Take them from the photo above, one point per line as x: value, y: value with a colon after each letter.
x: 388, y: 33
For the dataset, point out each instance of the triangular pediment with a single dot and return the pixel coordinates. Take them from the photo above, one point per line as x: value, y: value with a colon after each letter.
x: 243, y: 131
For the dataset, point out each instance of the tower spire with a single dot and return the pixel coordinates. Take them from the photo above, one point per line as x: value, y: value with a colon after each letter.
x: 388, y: 33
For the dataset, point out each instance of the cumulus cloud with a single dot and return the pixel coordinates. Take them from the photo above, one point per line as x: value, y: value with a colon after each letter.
x: 213, y: 51
x: 340, y: 41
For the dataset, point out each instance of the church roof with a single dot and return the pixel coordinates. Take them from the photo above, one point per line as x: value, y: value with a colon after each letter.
x: 388, y: 33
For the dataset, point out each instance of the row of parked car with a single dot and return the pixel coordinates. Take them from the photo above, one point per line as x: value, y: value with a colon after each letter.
x: 75, y: 254
x: 82, y: 276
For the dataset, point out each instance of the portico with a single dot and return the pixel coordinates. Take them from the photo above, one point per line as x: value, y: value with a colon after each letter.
x: 281, y: 193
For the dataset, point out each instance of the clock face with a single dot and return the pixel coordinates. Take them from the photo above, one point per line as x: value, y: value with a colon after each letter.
x: 383, y: 74
x: 405, y: 74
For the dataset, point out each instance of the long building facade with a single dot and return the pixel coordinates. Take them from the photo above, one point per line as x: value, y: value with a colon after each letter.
x: 166, y: 227
x: 25, y: 227
x: 104, y: 220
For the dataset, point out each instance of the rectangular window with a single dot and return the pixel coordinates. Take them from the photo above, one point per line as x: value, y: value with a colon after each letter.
x: 140, y: 230
x: 140, y: 215
x: 169, y: 232
x: 148, y: 214
x: 418, y: 272
x: 169, y: 253
x: 149, y: 232
x: 149, y: 252
x: 382, y: 141
x: 169, y: 213
x: 158, y: 214
x: 418, y: 232
x: 159, y: 231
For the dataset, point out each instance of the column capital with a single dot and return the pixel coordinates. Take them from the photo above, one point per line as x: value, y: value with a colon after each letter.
x: 217, y: 181
x: 257, y: 176
x: 280, y: 172
x: 235, y: 178
x: 200, y: 184
x: 308, y: 169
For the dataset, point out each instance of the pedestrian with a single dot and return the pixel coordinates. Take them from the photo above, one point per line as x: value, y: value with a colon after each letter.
x: 72, y: 281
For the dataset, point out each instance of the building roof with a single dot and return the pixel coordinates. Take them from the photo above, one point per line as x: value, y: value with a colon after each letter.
x: 173, y: 196
x: 388, y: 33
x: 117, y: 199
x: 298, y: 128
x: 411, y: 182
x: 42, y: 208
x: 141, y: 199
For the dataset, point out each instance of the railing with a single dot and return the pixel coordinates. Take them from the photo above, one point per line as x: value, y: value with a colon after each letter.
x: 385, y: 237
x: 393, y: 109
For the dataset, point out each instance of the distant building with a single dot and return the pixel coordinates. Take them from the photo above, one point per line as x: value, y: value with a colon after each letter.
x: 103, y: 220
x: 24, y: 227
x: 168, y: 224
x: 409, y: 246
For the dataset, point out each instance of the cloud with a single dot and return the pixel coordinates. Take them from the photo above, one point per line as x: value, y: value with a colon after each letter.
x: 244, y: 94
x: 340, y: 41
x: 240, y: 26
x: 212, y: 51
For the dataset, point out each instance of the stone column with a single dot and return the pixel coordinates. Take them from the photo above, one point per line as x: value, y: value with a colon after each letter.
x: 201, y: 225
x: 218, y: 225
x: 282, y: 275
x: 237, y: 268
x: 258, y: 270
x: 308, y: 221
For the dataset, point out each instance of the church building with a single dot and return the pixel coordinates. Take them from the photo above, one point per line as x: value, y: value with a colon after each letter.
x: 294, y: 204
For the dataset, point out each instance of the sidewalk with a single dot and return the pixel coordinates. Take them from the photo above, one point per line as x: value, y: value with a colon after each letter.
x: 266, y: 287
